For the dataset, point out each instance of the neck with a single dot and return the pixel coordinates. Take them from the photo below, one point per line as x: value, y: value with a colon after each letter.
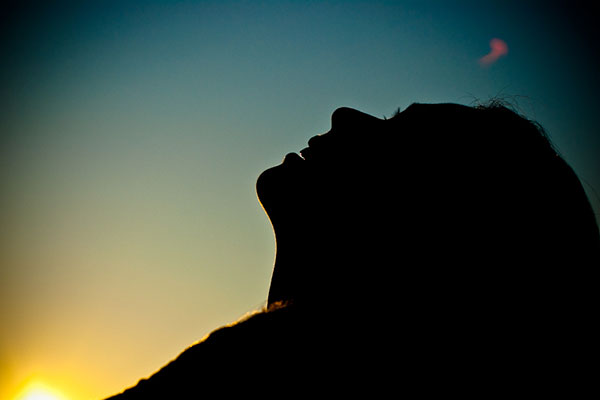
x: 291, y: 263
x: 302, y: 265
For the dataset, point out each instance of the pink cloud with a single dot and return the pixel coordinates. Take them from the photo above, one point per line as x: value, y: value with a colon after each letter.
x: 498, y: 48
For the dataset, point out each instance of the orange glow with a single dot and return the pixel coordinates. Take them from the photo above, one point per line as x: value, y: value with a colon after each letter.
x: 39, y: 391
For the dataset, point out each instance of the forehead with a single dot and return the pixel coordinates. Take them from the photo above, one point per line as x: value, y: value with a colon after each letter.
x: 435, y: 110
x: 435, y: 120
x: 434, y: 128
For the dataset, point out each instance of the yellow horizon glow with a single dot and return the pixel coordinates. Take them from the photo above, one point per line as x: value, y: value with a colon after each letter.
x: 39, y: 391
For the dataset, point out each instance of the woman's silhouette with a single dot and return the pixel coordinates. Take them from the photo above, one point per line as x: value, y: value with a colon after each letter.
x: 446, y: 249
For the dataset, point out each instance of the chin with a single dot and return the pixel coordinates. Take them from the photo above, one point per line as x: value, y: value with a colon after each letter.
x: 266, y: 188
x: 281, y: 191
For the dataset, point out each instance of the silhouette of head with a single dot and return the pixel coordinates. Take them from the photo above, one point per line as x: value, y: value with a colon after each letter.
x: 439, y: 200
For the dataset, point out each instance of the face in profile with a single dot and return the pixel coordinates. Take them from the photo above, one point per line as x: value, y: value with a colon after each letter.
x: 434, y: 186
x: 326, y: 176
x: 363, y: 165
x: 347, y: 200
x: 317, y: 202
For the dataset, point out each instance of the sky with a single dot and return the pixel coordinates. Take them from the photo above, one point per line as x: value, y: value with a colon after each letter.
x: 132, y: 134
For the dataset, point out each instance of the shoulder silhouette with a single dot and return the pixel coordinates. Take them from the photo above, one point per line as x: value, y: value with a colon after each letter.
x: 448, y: 249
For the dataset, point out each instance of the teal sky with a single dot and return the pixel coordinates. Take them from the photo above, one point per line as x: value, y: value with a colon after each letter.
x: 132, y: 133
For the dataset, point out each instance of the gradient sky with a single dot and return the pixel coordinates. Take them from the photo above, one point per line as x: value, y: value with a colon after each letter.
x: 132, y: 133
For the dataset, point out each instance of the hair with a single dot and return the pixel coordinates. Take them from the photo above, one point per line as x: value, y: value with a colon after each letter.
x: 518, y: 183
x: 554, y: 192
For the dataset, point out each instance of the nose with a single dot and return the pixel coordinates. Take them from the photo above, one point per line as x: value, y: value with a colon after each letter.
x: 347, y: 126
x: 345, y: 118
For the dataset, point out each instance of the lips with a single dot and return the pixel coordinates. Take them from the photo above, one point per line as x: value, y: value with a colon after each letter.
x: 306, y: 154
